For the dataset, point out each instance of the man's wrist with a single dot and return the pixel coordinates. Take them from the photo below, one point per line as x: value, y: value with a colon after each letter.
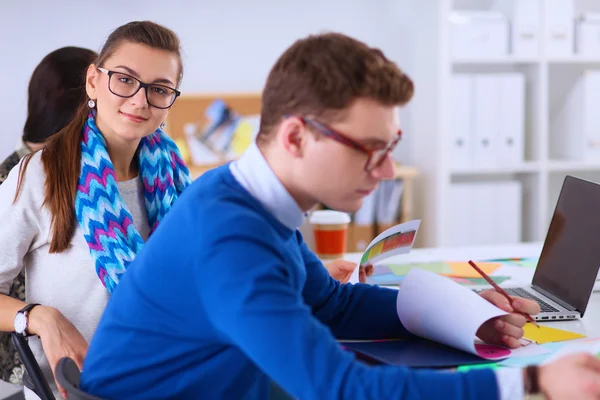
x: 531, y: 381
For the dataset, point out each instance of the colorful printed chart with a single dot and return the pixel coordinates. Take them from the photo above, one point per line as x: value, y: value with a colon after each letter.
x: 460, y: 272
x: 393, y: 242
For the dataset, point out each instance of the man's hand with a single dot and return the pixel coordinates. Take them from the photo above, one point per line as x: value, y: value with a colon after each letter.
x: 341, y: 270
x: 506, y: 330
x: 571, y: 377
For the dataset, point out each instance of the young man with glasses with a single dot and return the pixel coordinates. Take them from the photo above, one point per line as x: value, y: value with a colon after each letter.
x: 226, y: 297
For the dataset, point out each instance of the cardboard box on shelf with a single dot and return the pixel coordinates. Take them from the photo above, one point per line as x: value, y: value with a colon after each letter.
x: 359, y: 237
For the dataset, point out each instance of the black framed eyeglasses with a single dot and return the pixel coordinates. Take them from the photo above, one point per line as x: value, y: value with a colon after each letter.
x: 126, y: 86
x: 376, y: 157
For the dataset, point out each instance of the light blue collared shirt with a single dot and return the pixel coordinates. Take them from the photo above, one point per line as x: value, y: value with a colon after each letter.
x: 256, y: 176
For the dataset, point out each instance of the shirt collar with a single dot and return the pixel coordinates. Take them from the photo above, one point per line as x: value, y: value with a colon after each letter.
x: 256, y: 176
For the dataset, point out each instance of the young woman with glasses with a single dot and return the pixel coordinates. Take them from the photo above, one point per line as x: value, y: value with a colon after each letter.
x: 55, y: 90
x: 75, y: 214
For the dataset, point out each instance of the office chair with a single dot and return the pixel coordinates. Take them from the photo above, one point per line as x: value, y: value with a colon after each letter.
x: 33, y: 377
x: 68, y: 374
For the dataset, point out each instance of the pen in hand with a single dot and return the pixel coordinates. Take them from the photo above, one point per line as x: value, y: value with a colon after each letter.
x: 501, y: 291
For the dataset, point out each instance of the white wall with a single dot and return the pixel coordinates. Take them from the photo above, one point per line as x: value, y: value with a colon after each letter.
x: 228, y: 45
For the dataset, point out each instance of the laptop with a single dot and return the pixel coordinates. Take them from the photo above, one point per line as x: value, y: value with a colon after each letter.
x: 570, y: 258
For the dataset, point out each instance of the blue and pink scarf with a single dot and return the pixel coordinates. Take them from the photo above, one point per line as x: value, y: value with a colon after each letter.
x: 103, y: 215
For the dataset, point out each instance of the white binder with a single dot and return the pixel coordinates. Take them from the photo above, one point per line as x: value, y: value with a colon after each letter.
x: 508, y: 212
x: 511, y: 132
x: 525, y: 25
x: 483, y: 214
x: 575, y: 130
x: 461, y: 121
x: 559, y: 28
x: 591, y: 141
x: 587, y: 34
x: 458, y: 230
x: 486, y: 102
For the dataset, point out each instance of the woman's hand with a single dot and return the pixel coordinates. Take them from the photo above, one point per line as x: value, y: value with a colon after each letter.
x: 59, y: 338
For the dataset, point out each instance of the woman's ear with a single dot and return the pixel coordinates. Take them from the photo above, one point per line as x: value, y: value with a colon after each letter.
x: 91, y: 81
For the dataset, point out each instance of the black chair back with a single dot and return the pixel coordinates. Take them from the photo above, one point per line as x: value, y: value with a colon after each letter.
x: 34, y: 377
x: 68, y: 375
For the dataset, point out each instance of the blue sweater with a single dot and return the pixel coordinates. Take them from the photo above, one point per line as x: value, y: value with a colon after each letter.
x: 223, y: 298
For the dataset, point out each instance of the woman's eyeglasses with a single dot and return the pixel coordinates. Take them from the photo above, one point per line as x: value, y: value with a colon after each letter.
x: 124, y: 85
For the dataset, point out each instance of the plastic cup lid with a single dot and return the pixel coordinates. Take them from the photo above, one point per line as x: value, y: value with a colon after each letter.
x: 329, y: 217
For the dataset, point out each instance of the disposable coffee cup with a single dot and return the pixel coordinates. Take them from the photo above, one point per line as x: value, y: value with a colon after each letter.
x: 330, y: 230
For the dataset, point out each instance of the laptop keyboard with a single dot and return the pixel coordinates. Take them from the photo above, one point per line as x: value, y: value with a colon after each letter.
x: 545, y: 307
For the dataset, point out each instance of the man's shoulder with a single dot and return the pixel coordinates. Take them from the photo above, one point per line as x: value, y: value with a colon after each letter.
x: 218, y: 194
x: 232, y: 207
x: 225, y: 208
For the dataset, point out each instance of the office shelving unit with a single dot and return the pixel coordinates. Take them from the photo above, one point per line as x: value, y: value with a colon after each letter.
x: 548, y: 79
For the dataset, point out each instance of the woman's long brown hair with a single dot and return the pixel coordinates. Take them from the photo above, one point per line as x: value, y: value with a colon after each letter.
x: 61, y: 156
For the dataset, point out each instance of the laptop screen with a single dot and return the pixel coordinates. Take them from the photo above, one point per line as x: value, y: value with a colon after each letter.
x: 571, y: 254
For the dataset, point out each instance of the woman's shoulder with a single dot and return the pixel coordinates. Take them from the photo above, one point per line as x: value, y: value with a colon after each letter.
x: 35, y: 167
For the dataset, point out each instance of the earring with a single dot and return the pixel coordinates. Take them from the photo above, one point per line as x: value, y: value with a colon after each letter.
x: 91, y: 103
x: 163, y: 125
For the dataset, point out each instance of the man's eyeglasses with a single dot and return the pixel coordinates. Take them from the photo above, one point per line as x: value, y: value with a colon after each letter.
x: 376, y: 157
x: 124, y: 85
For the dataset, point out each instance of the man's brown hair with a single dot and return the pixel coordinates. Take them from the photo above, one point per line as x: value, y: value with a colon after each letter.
x: 321, y: 75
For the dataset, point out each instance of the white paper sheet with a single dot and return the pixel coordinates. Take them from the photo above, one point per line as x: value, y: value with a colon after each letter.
x: 439, y: 309
x: 354, y: 278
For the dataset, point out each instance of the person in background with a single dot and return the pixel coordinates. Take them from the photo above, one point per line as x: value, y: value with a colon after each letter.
x: 75, y: 214
x: 56, y: 88
x: 226, y: 300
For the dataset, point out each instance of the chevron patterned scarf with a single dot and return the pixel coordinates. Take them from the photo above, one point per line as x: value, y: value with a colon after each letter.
x: 103, y: 215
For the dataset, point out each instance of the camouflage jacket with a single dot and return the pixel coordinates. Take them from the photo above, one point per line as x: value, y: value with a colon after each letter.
x: 12, y: 160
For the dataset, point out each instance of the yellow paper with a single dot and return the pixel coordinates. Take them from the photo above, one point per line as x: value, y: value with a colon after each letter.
x: 242, y: 138
x: 464, y: 270
x: 183, y: 150
x: 545, y: 334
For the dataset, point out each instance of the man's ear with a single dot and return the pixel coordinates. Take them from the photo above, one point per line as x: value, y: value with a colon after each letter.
x: 91, y: 81
x: 293, y: 135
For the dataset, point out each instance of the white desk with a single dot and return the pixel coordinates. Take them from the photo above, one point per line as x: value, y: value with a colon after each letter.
x: 10, y: 392
x: 589, y: 325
